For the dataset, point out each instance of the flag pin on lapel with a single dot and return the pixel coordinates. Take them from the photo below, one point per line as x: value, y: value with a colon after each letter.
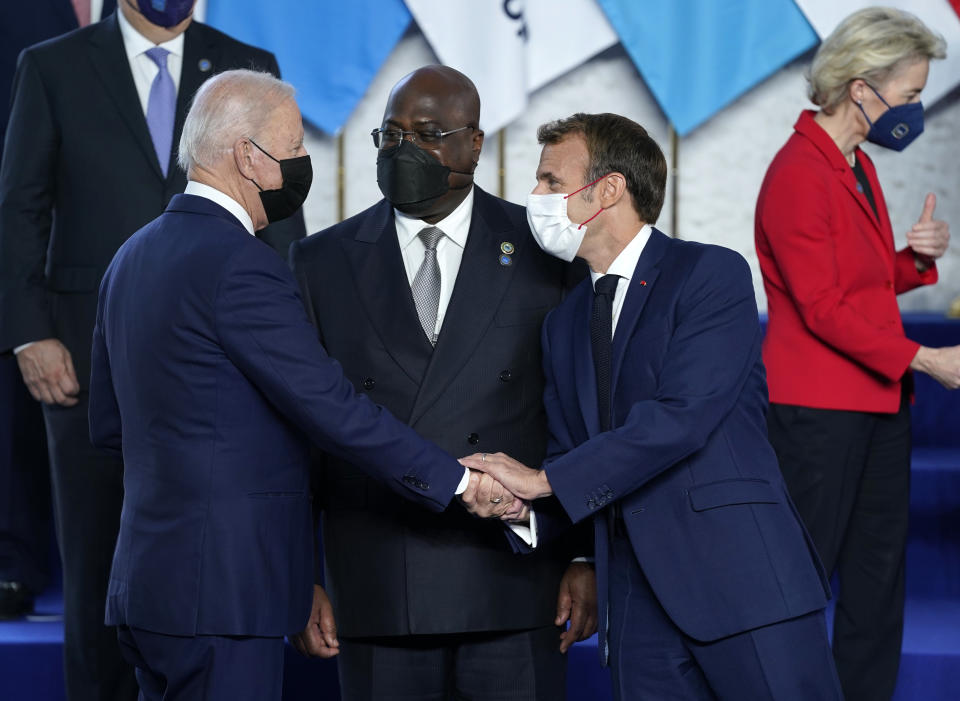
x: 204, y: 65
x: 506, y: 248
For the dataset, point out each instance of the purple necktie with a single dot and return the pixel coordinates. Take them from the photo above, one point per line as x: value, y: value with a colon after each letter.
x: 161, y: 108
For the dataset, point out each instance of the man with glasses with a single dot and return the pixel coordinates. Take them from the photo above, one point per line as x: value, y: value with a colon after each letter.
x: 432, y: 300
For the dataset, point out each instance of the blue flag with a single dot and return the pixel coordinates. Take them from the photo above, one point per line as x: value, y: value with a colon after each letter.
x: 329, y: 51
x: 698, y: 55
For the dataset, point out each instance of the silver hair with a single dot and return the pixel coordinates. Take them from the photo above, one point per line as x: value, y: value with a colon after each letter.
x: 231, y: 105
x: 871, y: 44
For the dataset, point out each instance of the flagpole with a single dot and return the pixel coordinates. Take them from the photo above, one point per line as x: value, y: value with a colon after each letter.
x: 502, y: 163
x: 341, y: 178
x: 674, y: 179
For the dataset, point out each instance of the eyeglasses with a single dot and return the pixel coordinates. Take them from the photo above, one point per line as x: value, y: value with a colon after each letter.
x: 386, y: 138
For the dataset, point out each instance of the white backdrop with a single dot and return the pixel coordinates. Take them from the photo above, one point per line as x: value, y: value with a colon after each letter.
x: 719, y: 167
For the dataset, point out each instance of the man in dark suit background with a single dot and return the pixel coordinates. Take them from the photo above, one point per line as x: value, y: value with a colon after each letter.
x: 656, y: 401
x: 432, y: 300
x: 210, y: 378
x: 88, y: 160
x: 24, y: 477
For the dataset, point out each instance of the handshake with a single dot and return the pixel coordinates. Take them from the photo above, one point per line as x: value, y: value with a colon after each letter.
x: 501, y: 487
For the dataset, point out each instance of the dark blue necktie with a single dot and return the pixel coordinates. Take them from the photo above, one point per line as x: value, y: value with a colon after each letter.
x: 601, y: 339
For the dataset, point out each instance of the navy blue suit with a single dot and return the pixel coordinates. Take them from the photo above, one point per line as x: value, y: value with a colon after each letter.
x: 209, y: 377
x: 706, y: 514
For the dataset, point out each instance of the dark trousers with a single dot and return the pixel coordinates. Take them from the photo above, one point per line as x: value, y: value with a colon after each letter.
x: 204, y: 667
x: 503, y: 666
x: 24, y: 484
x: 653, y: 660
x: 849, y: 475
x: 87, y: 495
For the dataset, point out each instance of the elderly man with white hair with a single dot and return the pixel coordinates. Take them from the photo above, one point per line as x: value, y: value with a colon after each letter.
x: 210, y: 379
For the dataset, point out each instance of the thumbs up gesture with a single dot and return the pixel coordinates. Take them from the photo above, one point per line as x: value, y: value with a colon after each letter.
x: 929, y: 237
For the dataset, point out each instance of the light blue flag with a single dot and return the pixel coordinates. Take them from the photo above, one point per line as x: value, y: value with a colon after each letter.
x: 330, y: 51
x: 698, y: 55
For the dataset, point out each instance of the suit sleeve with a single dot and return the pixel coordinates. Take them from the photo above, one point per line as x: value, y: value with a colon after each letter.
x: 714, y: 347
x: 907, y: 277
x: 799, y: 227
x: 265, y: 333
x: 103, y: 410
x: 27, y: 181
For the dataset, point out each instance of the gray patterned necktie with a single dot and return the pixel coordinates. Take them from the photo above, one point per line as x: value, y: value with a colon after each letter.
x: 426, y: 284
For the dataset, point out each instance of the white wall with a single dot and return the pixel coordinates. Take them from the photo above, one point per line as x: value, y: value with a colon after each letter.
x: 720, y: 165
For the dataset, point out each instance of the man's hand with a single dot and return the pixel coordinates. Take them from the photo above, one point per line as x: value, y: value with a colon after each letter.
x: 929, y: 237
x: 319, y: 638
x: 486, y: 498
x: 577, y: 603
x: 524, y: 482
x: 47, y: 370
x: 942, y: 364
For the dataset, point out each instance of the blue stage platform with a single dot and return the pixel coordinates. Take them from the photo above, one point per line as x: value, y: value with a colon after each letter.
x: 30, y: 651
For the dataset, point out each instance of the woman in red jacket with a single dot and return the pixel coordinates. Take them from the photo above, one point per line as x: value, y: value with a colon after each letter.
x: 837, y: 359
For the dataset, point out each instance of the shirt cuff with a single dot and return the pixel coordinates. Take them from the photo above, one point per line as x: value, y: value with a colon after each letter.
x: 462, y: 487
x: 21, y: 347
x: 588, y: 560
x: 527, y: 533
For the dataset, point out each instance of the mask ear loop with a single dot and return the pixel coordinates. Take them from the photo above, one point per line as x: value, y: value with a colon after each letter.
x: 584, y: 188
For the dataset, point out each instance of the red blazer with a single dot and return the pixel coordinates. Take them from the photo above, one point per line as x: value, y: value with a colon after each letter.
x: 834, y: 338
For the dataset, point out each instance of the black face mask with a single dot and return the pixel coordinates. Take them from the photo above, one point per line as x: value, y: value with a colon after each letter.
x: 297, y: 174
x: 407, y: 174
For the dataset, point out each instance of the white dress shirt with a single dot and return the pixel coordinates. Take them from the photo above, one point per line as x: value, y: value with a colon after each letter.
x: 144, y: 70
x: 142, y: 67
x: 624, y: 265
x: 450, y: 247
x: 225, y: 201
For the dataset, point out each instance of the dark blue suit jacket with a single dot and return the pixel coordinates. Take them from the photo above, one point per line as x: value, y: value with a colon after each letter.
x: 688, y: 459
x: 208, y: 375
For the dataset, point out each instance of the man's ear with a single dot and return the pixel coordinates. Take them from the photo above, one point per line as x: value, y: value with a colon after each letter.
x: 612, y: 189
x: 243, y: 157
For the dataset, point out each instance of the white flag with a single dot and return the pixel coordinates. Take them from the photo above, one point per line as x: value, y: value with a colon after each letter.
x: 825, y: 15
x: 510, y: 48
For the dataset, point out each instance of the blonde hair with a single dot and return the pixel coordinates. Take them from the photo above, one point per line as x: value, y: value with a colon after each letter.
x: 871, y: 44
x: 231, y: 105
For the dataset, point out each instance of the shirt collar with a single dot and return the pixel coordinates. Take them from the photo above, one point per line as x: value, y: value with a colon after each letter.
x: 625, y: 264
x: 455, y: 225
x: 224, y: 200
x: 134, y: 43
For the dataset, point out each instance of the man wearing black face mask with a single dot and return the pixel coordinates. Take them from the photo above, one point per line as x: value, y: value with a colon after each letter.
x: 95, y: 118
x: 208, y: 376
x: 432, y: 300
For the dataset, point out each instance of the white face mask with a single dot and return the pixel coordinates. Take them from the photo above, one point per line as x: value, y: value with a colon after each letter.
x: 552, y: 228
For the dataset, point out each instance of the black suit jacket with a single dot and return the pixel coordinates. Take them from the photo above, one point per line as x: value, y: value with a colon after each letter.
x: 80, y: 175
x: 395, y: 570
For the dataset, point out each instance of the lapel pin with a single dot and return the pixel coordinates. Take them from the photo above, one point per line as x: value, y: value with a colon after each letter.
x: 643, y: 283
x: 507, y: 248
x: 506, y: 260
x: 204, y: 65
x: 859, y: 187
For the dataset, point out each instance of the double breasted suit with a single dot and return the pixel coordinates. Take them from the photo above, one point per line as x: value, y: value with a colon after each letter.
x: 80, y: 174
x: 393, y: 570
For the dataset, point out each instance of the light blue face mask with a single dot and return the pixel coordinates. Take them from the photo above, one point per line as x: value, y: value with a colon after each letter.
x: 897, y: 127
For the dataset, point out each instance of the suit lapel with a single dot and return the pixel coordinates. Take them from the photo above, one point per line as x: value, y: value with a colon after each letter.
x: 583, y: 369
x: 481, y: 285
x: 647, y: 271
x: 200, y: 61
x: 110, y: 62
x: 382, y: 286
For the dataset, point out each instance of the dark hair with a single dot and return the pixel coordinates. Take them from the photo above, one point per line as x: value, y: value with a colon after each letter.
x: 617, y: 144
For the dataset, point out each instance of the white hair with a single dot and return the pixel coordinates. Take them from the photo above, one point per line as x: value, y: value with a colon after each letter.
x: 231, y: 105
x: 871, y: 44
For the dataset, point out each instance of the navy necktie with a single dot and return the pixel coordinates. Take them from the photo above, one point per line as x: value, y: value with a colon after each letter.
x: 601, y: 339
